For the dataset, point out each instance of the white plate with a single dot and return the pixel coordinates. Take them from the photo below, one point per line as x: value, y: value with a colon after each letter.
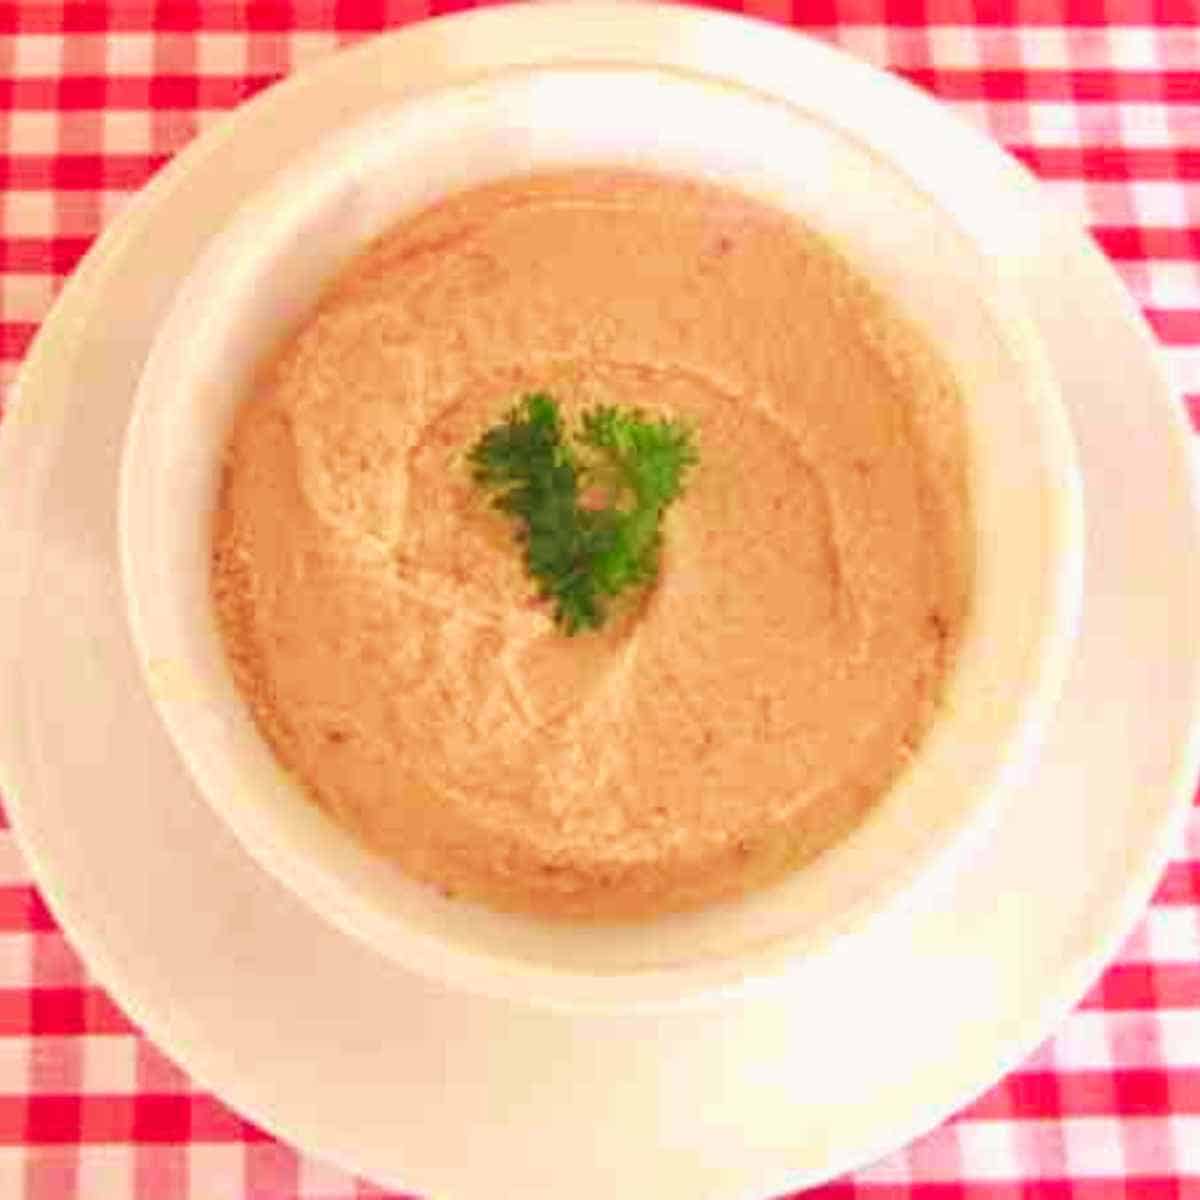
x: 345, y: 1054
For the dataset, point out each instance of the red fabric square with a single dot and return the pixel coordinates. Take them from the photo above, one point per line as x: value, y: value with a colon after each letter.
x: 53, y: 1118
x: 159, y: 1118
x: 56, y: 1010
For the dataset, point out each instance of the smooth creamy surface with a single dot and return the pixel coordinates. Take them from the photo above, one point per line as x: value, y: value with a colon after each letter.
x: 730, y: 723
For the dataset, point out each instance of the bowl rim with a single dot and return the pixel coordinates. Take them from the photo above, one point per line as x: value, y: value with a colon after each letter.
x: 664, y: 985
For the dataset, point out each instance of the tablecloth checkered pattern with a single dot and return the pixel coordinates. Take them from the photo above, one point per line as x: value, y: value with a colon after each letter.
x: 1101, y: 100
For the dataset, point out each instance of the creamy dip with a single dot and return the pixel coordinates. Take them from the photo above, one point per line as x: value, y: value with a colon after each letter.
x: 734, y: 720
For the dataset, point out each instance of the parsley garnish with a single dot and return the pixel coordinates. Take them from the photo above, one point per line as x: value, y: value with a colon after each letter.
x: 580, y: 553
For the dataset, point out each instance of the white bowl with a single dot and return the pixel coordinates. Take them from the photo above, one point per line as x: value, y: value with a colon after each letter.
x: 264, y: 270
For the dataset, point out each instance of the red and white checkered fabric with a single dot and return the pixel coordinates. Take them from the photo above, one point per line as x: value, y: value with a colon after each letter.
x: 1101, y: 100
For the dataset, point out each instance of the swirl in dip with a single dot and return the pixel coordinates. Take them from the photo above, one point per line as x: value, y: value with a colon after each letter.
x: 727, y: 724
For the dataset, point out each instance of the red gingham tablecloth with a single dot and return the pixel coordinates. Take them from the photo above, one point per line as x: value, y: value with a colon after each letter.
x: 1101, y: 100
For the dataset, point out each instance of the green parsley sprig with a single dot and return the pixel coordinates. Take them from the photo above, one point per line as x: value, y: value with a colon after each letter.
x: 588, y: 509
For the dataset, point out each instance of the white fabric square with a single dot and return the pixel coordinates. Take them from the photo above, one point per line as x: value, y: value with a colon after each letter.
x: 12, y: 1171
x: 1052, y: 123
x: 1184, y: 1144
x: 956, y: 46
x: 1159, y: 202
x: 37, y: 54
x: 29, y: 213
x: 1082, y: 1043
x: 16, y: 960
x: 1132, y: 48
x: 216, y: 1170
x: 1179, y: 1037
x: 32, y: 132
x: 1145, y: 126
x: 988, y: 1151
x: 1093, y: 1146
x: 109, y: 1063
x: 222, y: 53
x: 15, y: 1054
x: 106, y: 1171
x: 127, y: 132
x: 1173, y: 931
x: 129, y: 53
x: 1045, y: 48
